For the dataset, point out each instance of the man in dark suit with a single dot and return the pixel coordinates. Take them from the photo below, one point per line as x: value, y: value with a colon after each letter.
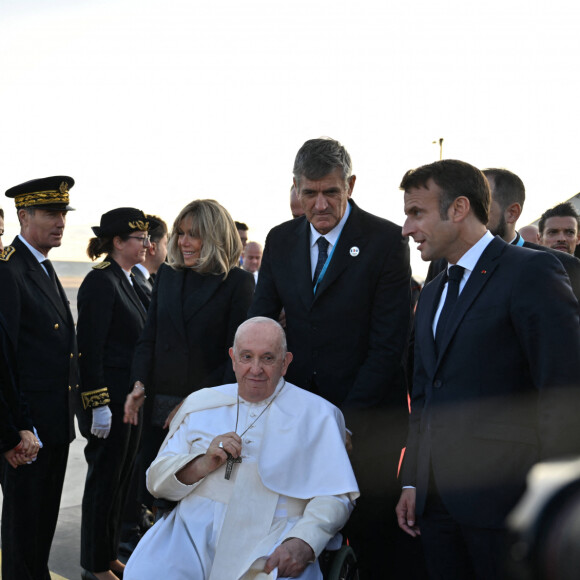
x: 493, y: 391
x: 18, y: 443
x: 144, y: 274
x: 40, y: 326
x: 507, y: 201
x: 347, y: 305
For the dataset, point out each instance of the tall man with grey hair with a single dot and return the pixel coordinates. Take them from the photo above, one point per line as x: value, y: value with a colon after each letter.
x: 40, y: 326
x: 259, y: 469
x: 342, y: 276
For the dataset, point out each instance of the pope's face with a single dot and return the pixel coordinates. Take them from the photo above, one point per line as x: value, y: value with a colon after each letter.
x: 43, y: 229
x: 324, y: 200
x: 258, y: 361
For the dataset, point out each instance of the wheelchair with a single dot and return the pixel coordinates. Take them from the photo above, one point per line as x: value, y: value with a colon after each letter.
x: 335, y: 564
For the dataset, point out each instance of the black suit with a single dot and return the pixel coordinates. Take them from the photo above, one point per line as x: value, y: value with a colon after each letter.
x: 349, y: 341
x: 191, y: 323
x: 571, y: 264
x: 41, y: 328
x: 111, y: 319
x: 503, y: 392
x: 144, y: 284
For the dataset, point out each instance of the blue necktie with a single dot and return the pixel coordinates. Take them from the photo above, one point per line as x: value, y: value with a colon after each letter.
x: 322, y: 256
x: 455, y: 275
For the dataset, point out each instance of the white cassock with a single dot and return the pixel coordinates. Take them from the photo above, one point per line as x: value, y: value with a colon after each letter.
x: 295, y: 481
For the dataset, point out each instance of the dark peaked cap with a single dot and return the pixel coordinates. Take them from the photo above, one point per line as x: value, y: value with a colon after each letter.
x: 45, y: 193
x: 122, y: 220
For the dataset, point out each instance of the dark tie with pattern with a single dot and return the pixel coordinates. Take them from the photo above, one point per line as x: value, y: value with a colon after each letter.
x: 322, y: 255
x: 51, y: 274
x: 454, y: 278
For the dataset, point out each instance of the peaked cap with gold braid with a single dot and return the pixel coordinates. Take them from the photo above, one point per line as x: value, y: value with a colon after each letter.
x: 49, y: 193
x: 123, y: 220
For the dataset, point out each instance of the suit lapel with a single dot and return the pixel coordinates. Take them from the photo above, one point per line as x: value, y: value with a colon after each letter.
x: 170, y: 289
x: 41, y: 279
x: 482, y: 272
x: 299, y: 258
x: 196, y: 300
x: 128, y: 289
x: 429, y: 302
x: 351, y: 236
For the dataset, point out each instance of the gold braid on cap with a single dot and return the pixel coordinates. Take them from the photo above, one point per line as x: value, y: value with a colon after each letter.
x: 43, y: 197
x: 139, y: 225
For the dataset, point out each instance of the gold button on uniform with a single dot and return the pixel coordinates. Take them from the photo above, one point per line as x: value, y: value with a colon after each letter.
x: 56, y: 327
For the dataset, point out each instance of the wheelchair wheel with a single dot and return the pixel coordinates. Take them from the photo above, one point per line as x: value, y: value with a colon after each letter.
x: 344, y: 565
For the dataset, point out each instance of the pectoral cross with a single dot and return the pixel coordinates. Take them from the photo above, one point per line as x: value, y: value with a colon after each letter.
x: 230, y: 464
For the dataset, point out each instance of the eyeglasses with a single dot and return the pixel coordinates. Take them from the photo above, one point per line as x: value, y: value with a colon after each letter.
x: 146, y: 240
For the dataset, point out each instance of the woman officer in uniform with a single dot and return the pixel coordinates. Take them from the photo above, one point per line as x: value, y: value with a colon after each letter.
x: 111, y: 318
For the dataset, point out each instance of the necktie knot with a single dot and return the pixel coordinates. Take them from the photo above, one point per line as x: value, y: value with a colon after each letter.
x: 455, y: 273
x: 323, y: 244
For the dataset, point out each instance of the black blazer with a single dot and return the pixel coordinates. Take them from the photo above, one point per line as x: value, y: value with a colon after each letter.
x: 111, y: 319
x: 41, y: 328
x: 571, y: 265
x: 184, y: 347
x: 504, y: 391
x: 143, y: 284
x: 14, y: 414
x: 349, y: 339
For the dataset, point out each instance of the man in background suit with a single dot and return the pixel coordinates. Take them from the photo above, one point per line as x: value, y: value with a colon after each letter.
x: 347, y: 305
x: 144, y: 274
x: 40, y: 326
x: 493, y: 391
x: 507, y: 202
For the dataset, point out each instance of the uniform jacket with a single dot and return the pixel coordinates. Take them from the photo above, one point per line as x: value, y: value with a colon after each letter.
x: 184, y: 346
x: 349, y: 339
x: 14, y: 414
x: 504, y: 391
x: 41, y: 328
x: 111, y: 319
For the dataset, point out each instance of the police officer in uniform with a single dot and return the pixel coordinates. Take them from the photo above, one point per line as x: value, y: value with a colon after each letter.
x: 112, y: 315
x: 40, y: 326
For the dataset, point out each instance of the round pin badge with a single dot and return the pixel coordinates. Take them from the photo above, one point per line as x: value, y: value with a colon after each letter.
x: 354, y: 251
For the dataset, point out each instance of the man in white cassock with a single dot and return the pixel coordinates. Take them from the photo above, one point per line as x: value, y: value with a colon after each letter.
x: 259, y: 469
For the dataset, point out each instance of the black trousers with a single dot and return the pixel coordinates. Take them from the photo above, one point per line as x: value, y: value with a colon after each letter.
x: 110, y: 463
x: 455, y: 551
x: 381, y: 548
x: 30, y: 512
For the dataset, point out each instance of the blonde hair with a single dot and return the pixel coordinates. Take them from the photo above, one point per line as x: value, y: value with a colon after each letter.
x: 213, y: 225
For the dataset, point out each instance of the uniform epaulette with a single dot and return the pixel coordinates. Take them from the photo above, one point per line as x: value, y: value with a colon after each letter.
x: 101, y: 265
x: 7, y: 253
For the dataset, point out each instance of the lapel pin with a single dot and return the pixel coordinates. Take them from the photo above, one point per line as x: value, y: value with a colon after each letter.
x: 484, y: 271
x: 354, y: 251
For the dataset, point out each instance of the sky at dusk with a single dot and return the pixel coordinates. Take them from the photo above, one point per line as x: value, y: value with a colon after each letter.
x: 152, y: 104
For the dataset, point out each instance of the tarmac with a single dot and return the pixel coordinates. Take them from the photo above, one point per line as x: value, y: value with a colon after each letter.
x: 65, y: 555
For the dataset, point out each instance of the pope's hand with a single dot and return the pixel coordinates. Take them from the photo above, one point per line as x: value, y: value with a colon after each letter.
x: 291, y: 558
x: 215, y: 456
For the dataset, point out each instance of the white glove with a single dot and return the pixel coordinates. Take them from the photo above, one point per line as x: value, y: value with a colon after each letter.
x: 102, y: 419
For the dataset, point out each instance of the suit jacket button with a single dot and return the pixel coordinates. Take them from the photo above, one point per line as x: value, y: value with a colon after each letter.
x: 56, y: 327
x: 437, y: 384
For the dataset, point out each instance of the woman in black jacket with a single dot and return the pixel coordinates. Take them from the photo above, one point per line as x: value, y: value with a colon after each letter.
x: 198, y: 302
x: 111, y: 319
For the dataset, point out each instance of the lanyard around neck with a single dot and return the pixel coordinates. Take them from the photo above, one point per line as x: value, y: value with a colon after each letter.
x: 325, y: 267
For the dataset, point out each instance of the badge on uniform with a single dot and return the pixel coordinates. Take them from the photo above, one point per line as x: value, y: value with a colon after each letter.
x: 354, y: 251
